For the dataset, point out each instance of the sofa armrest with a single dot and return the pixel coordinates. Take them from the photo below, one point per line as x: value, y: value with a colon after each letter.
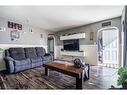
x: 48, y: 54
x: 9, y: 58
x: 9, y: 64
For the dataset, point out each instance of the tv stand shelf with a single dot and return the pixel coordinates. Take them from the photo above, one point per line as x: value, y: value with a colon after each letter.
x: 73, y: 36
x: 73, y: 53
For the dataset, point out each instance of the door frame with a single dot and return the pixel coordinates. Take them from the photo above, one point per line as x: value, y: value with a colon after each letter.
x: 54, y: 42
x: 105, y: 28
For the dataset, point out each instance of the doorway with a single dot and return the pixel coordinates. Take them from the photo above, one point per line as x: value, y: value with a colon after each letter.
x: 108, y: 47
x: 51, y: 45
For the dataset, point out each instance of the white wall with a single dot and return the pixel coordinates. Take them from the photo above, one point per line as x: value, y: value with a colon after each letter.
x: 86, y: 44
x: 94, y: 27
x: 27, y: 38
x: 90, y: 54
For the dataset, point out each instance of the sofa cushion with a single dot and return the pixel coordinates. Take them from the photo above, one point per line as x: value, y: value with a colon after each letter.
x: 30, y: 52
x: 21, y: 62
x: 40, y: 51
x: 36, y: 59
x: 21, y: 65
x: 17, y: 53
x: 37, y: 64
x: 40, y: 54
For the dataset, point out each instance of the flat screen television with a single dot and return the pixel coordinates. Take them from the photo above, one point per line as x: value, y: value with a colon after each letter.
x: 71, y: 45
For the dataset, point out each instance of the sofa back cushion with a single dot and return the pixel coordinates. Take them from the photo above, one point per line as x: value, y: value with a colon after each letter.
x: 30, y: 52
x: 17, y: 53
x: 40, y: 51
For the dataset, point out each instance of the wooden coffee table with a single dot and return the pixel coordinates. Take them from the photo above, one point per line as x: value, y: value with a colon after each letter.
x: 66, y: 68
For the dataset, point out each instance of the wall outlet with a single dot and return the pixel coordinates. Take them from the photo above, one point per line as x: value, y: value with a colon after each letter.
x: 41, y: 35
x: 2, y: 29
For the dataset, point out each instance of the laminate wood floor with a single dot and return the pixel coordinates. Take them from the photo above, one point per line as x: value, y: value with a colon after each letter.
x: 100, y: 78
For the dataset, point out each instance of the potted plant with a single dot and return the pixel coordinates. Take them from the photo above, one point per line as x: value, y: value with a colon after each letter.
x: 122, y: 79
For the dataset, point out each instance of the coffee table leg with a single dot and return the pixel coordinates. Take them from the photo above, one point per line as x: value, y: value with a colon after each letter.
x: 79, y: 82
x: 46, y: 71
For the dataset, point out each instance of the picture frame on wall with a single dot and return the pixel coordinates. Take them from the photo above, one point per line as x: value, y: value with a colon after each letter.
x: 17, y: 26
x: 15, y: 35
x: 14, y: 25
x: 20, y: 27
x: 10, y: 24
x: 41, y: 35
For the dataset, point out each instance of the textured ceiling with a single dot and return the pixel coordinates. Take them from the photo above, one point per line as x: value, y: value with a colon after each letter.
x: 56, y: 18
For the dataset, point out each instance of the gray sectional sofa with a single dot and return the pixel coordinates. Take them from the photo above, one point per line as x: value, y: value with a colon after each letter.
x: 19, y: 59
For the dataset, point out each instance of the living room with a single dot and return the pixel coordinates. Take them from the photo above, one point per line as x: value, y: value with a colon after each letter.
x: 36, y: 51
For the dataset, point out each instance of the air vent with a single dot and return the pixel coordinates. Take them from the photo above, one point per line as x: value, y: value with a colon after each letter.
x: 106, y: 24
